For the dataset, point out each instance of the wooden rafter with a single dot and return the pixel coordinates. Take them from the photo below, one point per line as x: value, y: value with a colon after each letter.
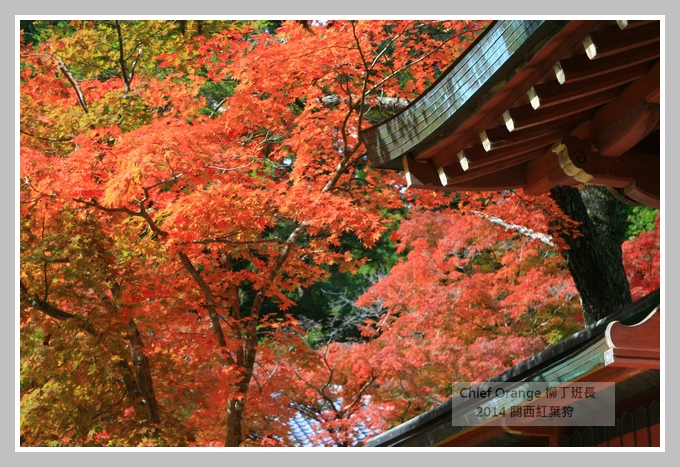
x: 499, y: 136
x: 469, y: 129
x: 581, y: 67
x: 476, y: 181
x: 480, y: 158
x: 598, y: 81
x: 613, y: 40
x: 526, y: 116
x: 623, y: 122
x: 552, y: 93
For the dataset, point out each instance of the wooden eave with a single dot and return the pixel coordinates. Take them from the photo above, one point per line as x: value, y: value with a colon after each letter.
x: 622, y: 349
x: 636, y: 346
x: 495, y: 119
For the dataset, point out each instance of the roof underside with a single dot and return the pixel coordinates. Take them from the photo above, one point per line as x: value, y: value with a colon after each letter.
x: 495, y: 119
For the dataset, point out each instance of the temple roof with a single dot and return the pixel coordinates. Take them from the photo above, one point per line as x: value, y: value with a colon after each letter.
x: 534, y: 104
x: 623, y: 348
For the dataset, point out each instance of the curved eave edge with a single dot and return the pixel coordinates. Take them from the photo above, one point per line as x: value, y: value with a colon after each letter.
x: 632, y: 314
x: 491, y: 60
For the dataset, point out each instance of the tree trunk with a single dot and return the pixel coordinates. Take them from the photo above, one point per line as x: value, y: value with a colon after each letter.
x: 137, y: 379
x: 236, y: 406
x: 143, y: 372
x: 234, y: 423
x: 594, y: 258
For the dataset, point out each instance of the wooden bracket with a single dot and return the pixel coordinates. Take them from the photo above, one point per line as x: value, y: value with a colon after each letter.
x: 635, y: 174
x: 573, y: 155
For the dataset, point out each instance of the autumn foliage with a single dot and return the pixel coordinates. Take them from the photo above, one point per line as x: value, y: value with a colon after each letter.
x: 642, y: 260
x: 181, y: 182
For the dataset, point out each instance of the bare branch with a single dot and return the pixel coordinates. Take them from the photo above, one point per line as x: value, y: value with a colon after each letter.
x: 228, y: 169
x: 408, y: 65
x: 209, y: 299
x: 64, y: 139
x: 50, y: 310
x: 74, y: 83
x: 276, y: 267
x: 319, y: 391
x: 121, y: 59
x: 218, y: 106
x: 141, y: 213
x: 208, y: 241
x: 367, y: 69
x: 359, y: 394
x: 382, y: 52
x: 527, y: 232
x: 69, y: 76
x: 161, y: 182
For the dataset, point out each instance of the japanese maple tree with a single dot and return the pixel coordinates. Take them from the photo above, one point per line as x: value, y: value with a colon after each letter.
x: 475, y: 295
x: 180, y: 182
x: 482, y: 287
x: 642, y: 260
